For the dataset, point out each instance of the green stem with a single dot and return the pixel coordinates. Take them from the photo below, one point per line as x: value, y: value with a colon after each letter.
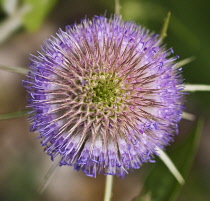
x: 184, y: 62
x: 188, y: 116
x: 14, y: 115
x: 12, y: 23
x: 164, y: 30
x: 48, y: 177
x: 14, y: 69
x: 196, y: 87
x: 170, y: 165
x: 117, y: 7
x: 108, y: 188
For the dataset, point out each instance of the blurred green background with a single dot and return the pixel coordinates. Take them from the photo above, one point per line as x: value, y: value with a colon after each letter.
x: 25, y: 24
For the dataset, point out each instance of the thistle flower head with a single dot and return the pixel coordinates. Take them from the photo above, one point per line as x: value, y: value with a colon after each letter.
x: 104, y: 95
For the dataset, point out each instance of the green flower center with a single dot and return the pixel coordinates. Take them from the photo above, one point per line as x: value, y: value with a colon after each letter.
x: 105, y: 89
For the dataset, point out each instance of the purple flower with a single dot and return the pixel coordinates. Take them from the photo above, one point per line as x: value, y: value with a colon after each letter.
x: 104, y: 95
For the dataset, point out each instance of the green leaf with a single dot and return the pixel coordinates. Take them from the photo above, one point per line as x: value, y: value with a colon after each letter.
x: 39, y: 9
x: 160, y: 184
x: 14, y: 115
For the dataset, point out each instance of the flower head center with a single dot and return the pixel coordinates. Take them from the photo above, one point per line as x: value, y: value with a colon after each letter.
x: 105, y: 88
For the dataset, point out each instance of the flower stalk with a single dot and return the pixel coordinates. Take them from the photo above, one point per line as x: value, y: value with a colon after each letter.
x: 108, y: 188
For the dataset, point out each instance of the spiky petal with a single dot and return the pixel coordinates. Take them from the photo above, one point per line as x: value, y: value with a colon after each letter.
x: 105, y: 94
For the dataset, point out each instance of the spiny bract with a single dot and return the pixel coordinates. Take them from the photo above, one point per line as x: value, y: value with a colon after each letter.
x: 104, y: 95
